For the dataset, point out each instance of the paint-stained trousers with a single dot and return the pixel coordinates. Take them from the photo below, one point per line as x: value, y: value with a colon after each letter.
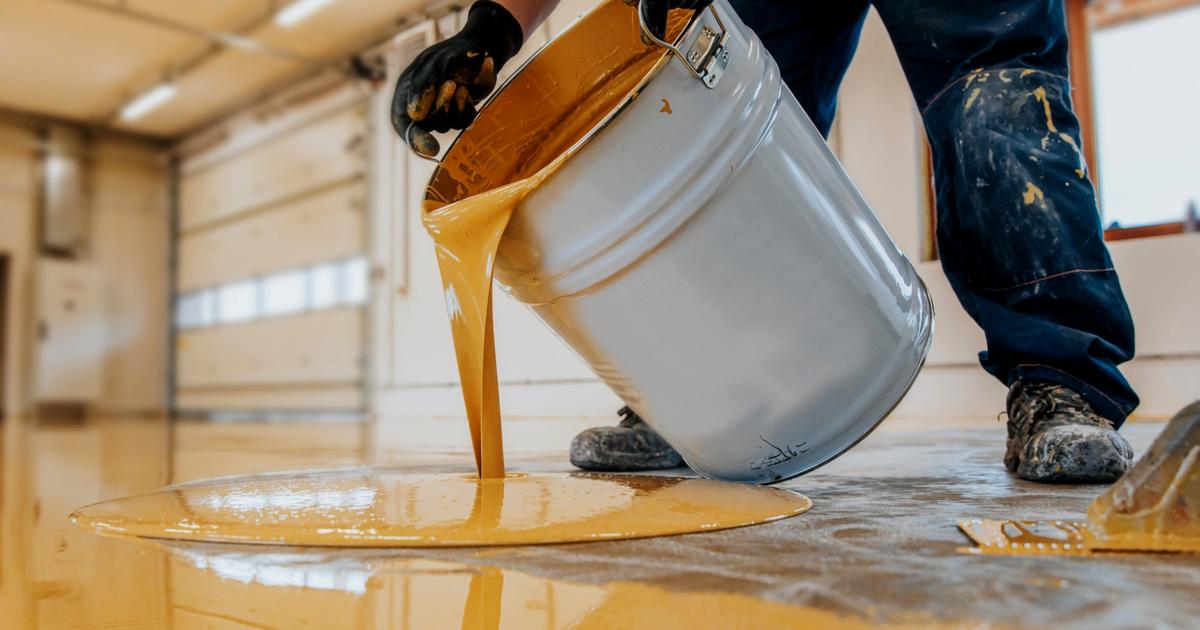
x: 1018, y: 226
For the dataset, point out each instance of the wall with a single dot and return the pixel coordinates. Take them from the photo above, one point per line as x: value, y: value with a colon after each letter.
x: 127, y: 239
x: 129, y: 242
x: 880, y: 141
x: 125, y: 227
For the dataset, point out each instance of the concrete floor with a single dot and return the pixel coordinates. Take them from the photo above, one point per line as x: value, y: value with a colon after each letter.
x: 881, y: 542
x: 879, y: 547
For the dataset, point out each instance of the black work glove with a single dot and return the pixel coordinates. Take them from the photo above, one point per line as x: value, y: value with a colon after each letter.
x: 439, y: 89
x: 655, y: 12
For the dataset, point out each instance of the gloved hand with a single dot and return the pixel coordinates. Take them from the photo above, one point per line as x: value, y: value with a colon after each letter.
x: 655, y: 12
x: 439, y: 89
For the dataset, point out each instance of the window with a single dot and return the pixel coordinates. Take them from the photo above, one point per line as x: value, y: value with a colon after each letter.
x: 237, y: 302
x: 323, y: 285
x: 285, y: 293
x: 354, y: 281
x: 1131, y: 68
x: 195, y: 310
x: 320, y: 286
x: 1147, y: 124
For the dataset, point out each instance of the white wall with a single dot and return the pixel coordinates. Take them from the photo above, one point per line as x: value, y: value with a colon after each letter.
x: 880, y: 141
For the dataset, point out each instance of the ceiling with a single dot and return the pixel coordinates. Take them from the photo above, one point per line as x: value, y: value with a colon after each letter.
x: 82, y: 60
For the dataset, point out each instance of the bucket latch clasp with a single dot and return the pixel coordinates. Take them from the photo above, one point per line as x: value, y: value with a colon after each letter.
x: 707, y: 58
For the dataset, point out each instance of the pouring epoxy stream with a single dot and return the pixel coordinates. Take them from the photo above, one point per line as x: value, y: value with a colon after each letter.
x: 1018, y: 227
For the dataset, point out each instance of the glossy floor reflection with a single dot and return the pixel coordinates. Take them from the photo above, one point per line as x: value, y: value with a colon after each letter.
x: 382, y: 590
x: 878, y: 547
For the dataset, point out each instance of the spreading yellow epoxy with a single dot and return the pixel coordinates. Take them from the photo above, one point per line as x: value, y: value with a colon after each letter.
x: 391, y: 508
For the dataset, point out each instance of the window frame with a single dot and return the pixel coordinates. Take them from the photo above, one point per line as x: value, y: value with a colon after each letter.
x: 1084, y: 17
x: 1093, y: 16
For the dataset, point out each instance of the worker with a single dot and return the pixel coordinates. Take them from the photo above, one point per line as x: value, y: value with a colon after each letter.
x: 1018, y: 228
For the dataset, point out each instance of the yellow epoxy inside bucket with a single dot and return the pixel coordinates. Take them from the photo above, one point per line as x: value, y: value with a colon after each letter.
x: 392, y: 508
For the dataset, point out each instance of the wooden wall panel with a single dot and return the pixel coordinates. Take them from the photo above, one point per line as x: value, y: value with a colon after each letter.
x: 318, y: 348
x: 293, y: 162
x: 326, y: 225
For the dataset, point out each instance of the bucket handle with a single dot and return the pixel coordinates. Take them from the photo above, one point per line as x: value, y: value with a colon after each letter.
x: 707, y: 58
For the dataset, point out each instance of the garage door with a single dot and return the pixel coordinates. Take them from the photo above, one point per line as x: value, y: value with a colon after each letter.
x: 271, y: 278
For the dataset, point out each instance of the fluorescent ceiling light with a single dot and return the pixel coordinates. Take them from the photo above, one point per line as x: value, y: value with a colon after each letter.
x: 149, y: 100
x: 298, y: 11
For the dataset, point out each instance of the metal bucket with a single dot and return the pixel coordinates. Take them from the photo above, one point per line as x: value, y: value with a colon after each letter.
x: 703, y: 251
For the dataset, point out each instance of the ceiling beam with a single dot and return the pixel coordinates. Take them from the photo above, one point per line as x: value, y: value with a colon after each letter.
x: 368, y: 46
x: 218, y: 40
x: 240, y: 36
x: 224, y: 38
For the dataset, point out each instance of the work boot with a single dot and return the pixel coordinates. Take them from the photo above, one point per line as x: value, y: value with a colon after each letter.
x: 1055, y: 436
x: 631, y: 445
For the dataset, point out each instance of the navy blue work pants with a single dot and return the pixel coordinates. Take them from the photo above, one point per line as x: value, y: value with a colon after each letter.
x: 1018, y: 226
